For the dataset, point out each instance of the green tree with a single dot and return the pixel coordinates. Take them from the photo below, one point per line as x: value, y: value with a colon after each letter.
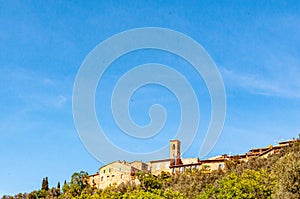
x: 77, y: 184
x: 41, y: 193
x: 190, y: 183
x: 286, y: 171
x: 148, y: 181
x: 250, y: 184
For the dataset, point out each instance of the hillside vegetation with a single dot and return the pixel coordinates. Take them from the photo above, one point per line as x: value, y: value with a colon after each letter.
x: 276, y: 177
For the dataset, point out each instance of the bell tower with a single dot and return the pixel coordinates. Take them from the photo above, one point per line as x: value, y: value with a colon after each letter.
x: 175, y: 152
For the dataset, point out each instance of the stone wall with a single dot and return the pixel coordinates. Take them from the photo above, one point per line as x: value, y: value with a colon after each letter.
x: 115, y: 173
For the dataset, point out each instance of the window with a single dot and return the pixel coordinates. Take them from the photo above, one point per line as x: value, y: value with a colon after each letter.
x: 122, y: 176
x: 109, y: 170
x: 173, y: 147
x: 220, y: 166
x: 102, y: 178
x: 120, y: 169
x: 113, y: 176
x: 107, y: 176
x: 104, y: 171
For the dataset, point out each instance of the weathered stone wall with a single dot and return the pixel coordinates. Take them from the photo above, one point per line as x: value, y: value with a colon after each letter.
x: 115, y: 173
x: 159, y: 166
x: 93, y: 180
x: 140, y: 165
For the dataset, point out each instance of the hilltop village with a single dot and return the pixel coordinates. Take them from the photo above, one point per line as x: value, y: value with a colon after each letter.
x: 121, y: 171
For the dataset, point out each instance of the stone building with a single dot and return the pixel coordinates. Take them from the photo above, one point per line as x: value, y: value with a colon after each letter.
x: 203, y: 165
x: 94, y: 180
x: 121, y: 171
x: 141, y: 166
x: 117, y: 172
x: 158, y: 166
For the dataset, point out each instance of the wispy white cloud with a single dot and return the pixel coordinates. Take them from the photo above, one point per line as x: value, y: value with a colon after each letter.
x: 34, y: 90
x: 268, y: 59
x: 60, y: 101
x: 284, y: 84
x: 48, y: 81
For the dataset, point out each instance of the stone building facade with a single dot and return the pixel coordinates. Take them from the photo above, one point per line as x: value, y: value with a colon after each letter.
x: 117, y: 172
x: 94, y: 180
x: 158, y: 166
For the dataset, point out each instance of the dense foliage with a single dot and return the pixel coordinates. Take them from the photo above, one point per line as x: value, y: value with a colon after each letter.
x: 276, y: 177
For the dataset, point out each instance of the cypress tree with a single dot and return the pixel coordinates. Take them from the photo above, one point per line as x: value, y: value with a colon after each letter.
x: 45, y: 184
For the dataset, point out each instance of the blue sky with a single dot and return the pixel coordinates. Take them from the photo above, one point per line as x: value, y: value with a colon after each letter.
x: 255, y: 45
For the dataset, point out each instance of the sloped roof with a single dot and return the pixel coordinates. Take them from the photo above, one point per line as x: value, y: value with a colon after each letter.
x: 118, y: 162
